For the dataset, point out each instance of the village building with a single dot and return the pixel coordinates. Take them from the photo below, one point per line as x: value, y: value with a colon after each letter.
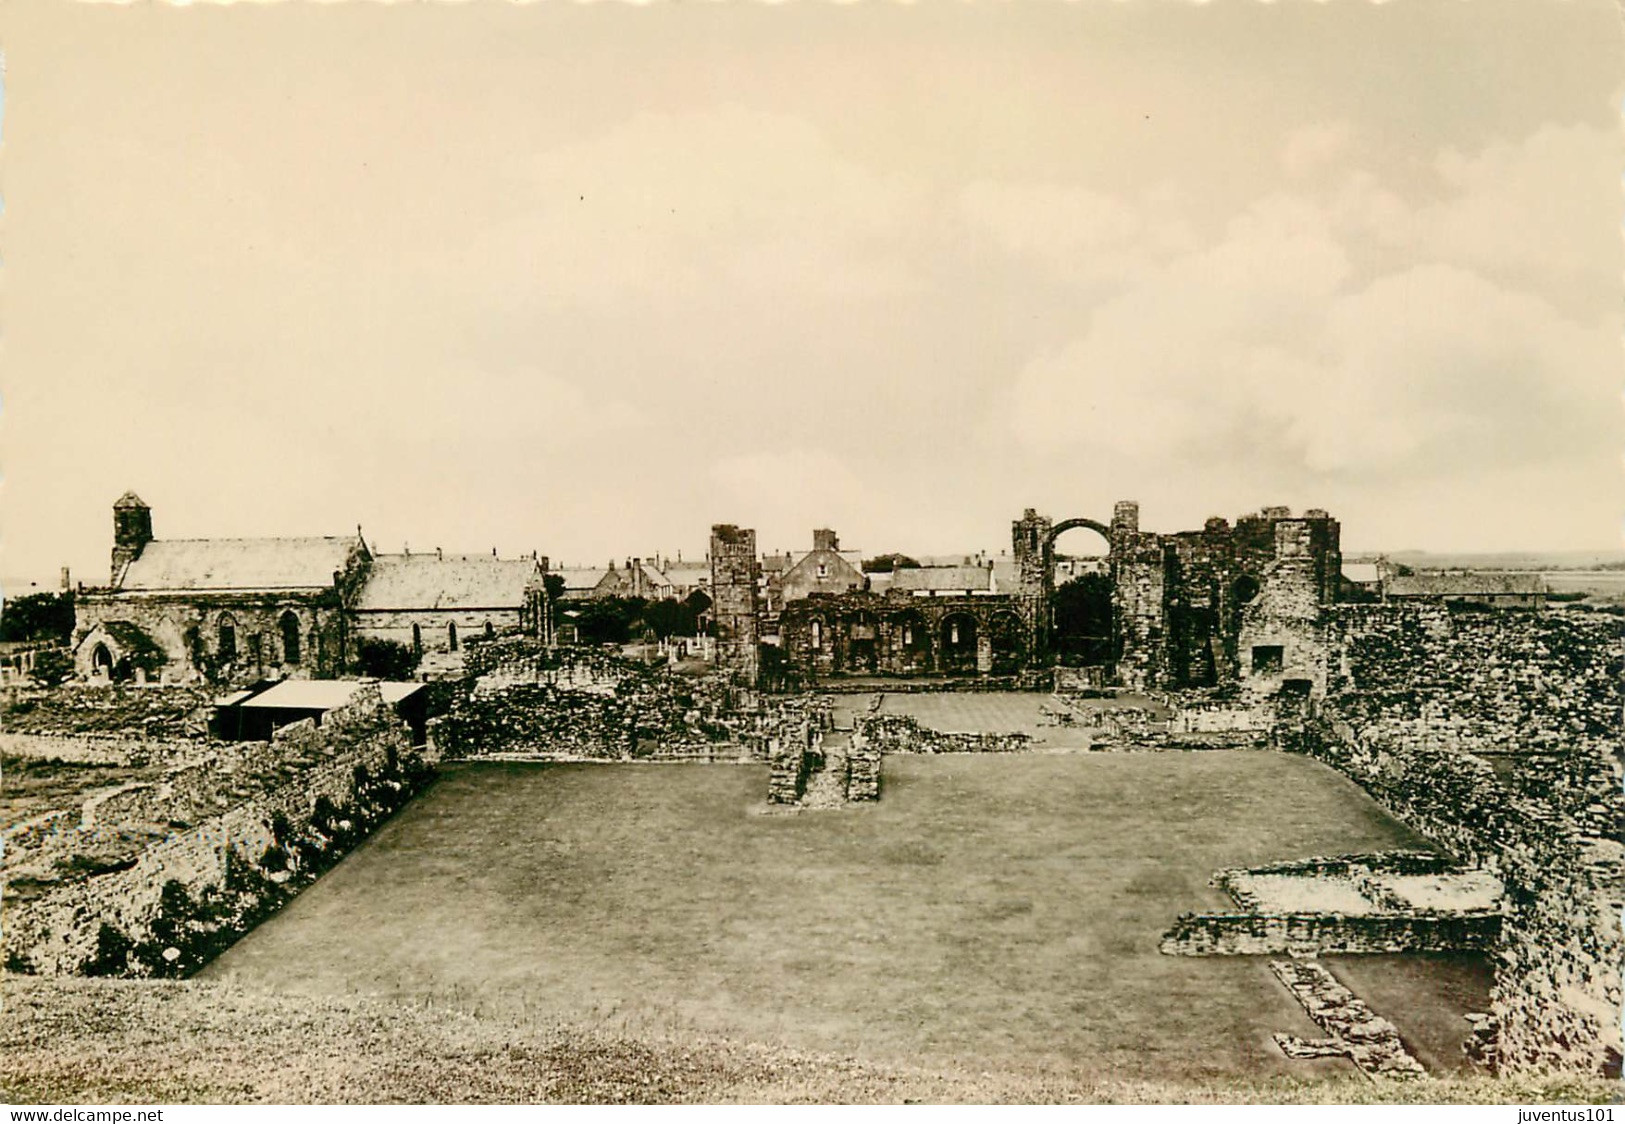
x: 826, y: 568
x: 220, y: 609
x: 433, y: 603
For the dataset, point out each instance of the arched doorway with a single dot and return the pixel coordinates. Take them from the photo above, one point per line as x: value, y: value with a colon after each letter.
x: 101, y: 662
x: 957, y: 643
x: 1080, y: 596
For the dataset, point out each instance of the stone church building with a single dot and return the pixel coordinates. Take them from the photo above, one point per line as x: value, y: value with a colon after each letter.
x: 228, y: 609
x: 238, y: 610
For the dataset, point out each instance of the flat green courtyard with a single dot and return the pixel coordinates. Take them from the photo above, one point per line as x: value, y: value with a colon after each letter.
x: 990, y: 912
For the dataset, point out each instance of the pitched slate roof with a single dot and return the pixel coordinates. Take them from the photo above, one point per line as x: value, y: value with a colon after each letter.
x: 942, y: 578
x: 452, y: 581
x: 581, y: 577
x: 237, y: 564
x: 1464, y: 585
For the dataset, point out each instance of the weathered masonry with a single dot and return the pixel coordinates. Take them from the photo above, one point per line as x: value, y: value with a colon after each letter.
x: 1203, y: 608
x: 1180, y: 601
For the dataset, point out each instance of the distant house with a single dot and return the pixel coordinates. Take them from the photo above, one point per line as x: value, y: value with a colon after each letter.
x: 638, y: 578
x: 943, y: 581
x: 581, y: 583
x: 826, y: 568
x: 687, y: 577
x: 432, y: 603
x: 229, y: 609
x: 1495, y: 590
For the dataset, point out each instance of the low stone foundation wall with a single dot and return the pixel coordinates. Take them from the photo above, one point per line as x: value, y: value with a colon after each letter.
x: 157, y: 713
x: 901, y: 733
x: 97, y: 749
x: 1077, y: 680
x: 1026, y: 681
x: 1354, y: 1031
x: 862, y: 770
x: 1305, y: 934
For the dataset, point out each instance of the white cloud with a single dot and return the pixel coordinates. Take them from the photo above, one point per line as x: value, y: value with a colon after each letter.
x: 1271, y: 348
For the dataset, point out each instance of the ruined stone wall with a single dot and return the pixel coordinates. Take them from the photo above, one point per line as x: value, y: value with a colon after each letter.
x: 862, y: 769
x: 1551, y: 833
x: 735, y: 570
x: 596, y: 709
x: 901, y: 733
x: 126, y: 712
x: 95, y: 749
x: 186, y: 628
x: 1326, y: 934
x: 256, y: 850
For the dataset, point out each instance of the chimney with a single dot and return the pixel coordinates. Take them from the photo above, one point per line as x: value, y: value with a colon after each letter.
x: 439, y: 554
x: 67, y: 586
x: 825, y: 539
x: 406, y: 549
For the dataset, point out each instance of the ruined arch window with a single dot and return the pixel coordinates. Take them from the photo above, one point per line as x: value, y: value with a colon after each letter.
x: 489, y: 631
x: 953, y: 632
x: 1245, y: 589
x: 817, y: 634
x: 417, y: 640
x: 451, y: 634
x: 101, y: 661
x: 226, y: 639
x: 289, y: 624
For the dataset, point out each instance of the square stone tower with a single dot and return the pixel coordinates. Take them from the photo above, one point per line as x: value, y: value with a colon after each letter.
x: 735, y: 570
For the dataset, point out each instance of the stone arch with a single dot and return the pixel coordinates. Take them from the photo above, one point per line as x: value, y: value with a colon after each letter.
x: 101, y: 661
x: 288, y: 625
x: 1066, y: 525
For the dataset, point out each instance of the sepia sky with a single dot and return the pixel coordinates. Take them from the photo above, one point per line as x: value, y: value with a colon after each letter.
x: 586, y: 279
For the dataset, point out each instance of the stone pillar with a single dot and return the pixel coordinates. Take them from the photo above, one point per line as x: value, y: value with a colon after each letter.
x: 1032, y: 549
x: 984, y: 652
x: 734, y: 598
x: 1139, y: 569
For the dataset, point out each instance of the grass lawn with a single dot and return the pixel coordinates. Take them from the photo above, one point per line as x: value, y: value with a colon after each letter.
x: 79, y: 1041
x: 996, y: 911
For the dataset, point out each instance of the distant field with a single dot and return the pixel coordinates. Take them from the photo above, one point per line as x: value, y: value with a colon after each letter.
x: 1602, y: 585
x: 991, y: 912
